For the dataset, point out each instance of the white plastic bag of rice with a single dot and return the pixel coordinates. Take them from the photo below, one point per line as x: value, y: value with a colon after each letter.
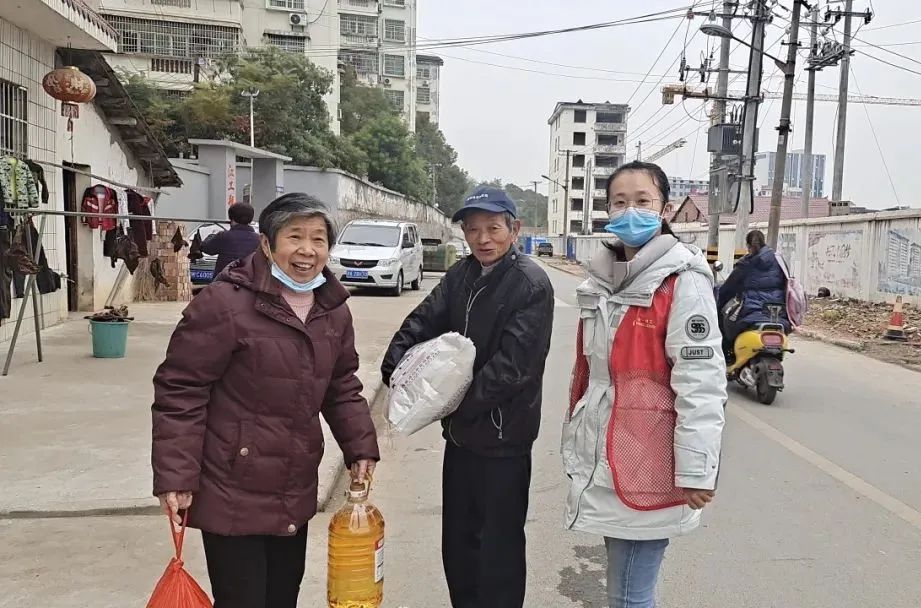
x: 430, y: 382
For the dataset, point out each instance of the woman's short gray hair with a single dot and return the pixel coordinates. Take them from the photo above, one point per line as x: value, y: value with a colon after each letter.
x: 289, y: 207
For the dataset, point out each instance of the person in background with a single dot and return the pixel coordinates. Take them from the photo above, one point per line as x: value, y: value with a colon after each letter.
x: 503, y: 301
x: 756, y: 280
x: 641, y: 438
x: 237, y: 441
x: 236, y: 243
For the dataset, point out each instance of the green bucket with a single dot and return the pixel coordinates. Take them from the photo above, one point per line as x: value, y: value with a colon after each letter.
x: 109, y: 339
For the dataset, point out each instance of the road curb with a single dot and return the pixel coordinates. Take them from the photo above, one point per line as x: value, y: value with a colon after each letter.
x: 822, y: 337
x: 576, y: 271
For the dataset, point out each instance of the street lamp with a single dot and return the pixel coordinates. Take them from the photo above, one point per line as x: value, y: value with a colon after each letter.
x: 252, y: 95
x: 718, y: 30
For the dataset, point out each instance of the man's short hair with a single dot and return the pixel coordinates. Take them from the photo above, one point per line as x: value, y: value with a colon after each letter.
x: 241, y: 213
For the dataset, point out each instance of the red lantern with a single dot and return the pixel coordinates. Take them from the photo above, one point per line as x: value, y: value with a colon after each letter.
x: 70, y: 85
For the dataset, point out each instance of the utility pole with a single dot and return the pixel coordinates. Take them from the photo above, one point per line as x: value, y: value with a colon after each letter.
x: 750, y: 125
x: 567, y: 202
x: 808, y: 161
x: 252, y: 95
x: 717, y: 196
x: 434, y: 168
x: 587, y: 201
x: 783, y: 128
x: 639, y: 150
x: 838, y: 177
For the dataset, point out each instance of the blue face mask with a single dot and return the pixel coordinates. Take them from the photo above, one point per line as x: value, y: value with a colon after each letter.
x: 293, y: 285
x: 635, y: 227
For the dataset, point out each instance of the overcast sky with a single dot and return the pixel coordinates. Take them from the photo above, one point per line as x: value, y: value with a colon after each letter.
x: 496, y: 117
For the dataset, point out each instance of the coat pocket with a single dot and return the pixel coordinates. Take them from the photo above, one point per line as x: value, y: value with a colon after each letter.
x: 690, y: 462
x: 259, y: 465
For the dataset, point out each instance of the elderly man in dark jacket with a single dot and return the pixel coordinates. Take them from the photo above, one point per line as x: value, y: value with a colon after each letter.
x: 256, y: 359
x: 503, y: 302
x: 756, y: 280
x: 234, y: 244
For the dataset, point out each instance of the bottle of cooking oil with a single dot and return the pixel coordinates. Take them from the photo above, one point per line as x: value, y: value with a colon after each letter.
x: 355, y: 577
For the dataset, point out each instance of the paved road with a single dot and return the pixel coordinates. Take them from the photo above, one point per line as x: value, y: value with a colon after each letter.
x: 819, y: 504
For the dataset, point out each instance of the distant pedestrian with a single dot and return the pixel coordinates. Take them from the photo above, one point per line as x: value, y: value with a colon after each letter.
x: 234, y: 244
x: 503, y: 302
x: 641, y: 441
x: 256, y: 359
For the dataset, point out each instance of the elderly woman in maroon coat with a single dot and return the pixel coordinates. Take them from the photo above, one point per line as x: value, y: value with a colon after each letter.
x: 237, y: 440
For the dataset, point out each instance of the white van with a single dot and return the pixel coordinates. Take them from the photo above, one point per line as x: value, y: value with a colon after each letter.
x: 378, y: 254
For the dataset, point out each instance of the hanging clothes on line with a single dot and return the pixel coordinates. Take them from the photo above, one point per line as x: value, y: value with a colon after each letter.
x: 100, y: 199
x: 119, y: 246
x: 48, y: 280
x: 142, y: 231
x: 19, y: 188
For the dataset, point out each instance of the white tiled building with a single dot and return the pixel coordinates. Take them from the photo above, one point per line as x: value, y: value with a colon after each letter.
x: 428, y: 87
x: 173, y: 42
x: 378, y: 38
x: 590, y: 138
x: 36, y: 37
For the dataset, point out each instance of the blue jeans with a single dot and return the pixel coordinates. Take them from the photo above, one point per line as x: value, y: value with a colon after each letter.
x: 633, y: 567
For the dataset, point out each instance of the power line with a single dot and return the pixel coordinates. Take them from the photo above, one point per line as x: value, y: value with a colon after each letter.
x: 889, y: 63
x: 885, y: 50
x: 885, y: 27
x: 876, y: 139
x: 654, y: 63
x: 530, y: 71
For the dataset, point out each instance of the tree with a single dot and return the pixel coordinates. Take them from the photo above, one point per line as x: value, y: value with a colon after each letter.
x: 452, y: 182
x: 392, y: 159
x: 532, y: 206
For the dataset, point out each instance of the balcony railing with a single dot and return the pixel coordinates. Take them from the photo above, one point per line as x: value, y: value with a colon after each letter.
x: 62, y: 22
x: 610, y: 127
x: 618, y: 149
x: 359, y: 41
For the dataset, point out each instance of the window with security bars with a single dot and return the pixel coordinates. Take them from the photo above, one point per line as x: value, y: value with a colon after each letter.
x: 291, y: 5
x: 175, y: 3
x: 396, y: 98
x: 364, y: 63
x: 14, y: 120
x: 362, y: 3
x: 171, y: 66
x: 395, y: 2
x: 394, y: 30
x: 394, y: 65
x: 290, y: 44
x: 423, y: 95
x: 424, y: 72
x: 358, y: 25
x: 174, y: 38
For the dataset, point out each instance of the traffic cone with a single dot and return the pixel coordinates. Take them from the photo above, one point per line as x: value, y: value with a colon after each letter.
x: 896, y: 329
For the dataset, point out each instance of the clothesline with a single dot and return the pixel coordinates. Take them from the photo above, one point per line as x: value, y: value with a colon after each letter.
x: 115, y: 216
x: 100, y: 177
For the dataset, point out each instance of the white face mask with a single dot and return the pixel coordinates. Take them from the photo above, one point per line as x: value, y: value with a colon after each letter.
x: 314, y: 283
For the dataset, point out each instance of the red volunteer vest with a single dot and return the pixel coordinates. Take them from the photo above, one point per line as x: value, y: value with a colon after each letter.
x: 641, y: 430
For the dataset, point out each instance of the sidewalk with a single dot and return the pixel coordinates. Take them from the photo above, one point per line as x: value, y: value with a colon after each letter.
x: 75, y: 438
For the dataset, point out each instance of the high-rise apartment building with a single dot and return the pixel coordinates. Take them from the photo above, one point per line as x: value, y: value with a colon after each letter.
x: 794, y: 172
x: 378, y: 38
x: 428, y: 85
x: 174, y: 42
x: 586, y: 144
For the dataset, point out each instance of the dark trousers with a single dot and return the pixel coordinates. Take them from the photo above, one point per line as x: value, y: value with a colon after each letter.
x: 255, y: 571
x: 485, y: 504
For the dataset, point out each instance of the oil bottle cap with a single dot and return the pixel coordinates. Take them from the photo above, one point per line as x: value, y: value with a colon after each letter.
x: 358, y: 489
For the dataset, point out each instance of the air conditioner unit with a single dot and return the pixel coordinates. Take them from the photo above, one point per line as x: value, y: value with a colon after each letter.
x: 425, y: 83
x: 297, y: 19
x: 386, y: 82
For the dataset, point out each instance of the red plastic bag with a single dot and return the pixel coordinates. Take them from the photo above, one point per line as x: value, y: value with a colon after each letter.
x: 177, y: 588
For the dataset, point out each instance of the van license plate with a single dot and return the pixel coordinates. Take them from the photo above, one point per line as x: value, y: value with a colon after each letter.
x: 356, y: 274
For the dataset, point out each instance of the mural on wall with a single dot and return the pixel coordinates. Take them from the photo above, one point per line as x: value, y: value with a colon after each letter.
x: 900, y: 262
x: 786, y: 245
x: 832, y: 261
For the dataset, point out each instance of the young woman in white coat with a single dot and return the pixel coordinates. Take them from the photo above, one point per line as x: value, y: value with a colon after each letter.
x: 641, y: 441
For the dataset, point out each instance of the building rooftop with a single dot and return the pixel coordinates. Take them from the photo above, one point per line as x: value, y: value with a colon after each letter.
x: 579, y: 105
x: 694, y: 208
x: 430, y: 59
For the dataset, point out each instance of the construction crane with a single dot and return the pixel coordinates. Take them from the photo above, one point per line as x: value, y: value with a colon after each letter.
x: 670, y: 91
x: 666, y: 150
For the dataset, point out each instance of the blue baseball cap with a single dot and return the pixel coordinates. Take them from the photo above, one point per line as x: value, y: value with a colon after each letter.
x: 486, y: 198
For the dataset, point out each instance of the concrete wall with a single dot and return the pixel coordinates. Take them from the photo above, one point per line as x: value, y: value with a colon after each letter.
x: 872, y: 257
x: 348, y: 196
